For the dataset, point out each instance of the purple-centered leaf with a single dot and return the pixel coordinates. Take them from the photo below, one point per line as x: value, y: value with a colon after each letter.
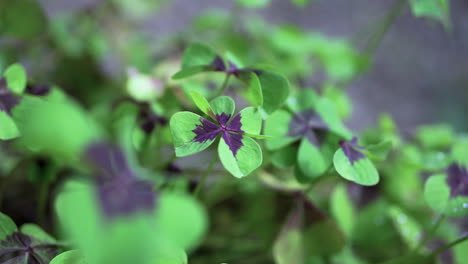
x: 457, y: 180
x: 230, y: 130
x: 205, y: 131
x: 38, y: 89
x: 19, y: 246
x: 351, y: 150
x: 119, y: 191
x: 308, y: 124
x: 7, y: 99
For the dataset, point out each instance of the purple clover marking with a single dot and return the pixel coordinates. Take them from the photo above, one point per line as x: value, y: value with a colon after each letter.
x: 457, y: 180
x: 350, y: 149
x: 231, y: 132
x: 7, y: 99
x: 308, y: 124
x: 120, y: 192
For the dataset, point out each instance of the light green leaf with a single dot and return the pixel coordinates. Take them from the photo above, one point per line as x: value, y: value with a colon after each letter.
x: 250, y: 79
x: 201, y: 102
x: 284, y: 157
x: 330, y: 116
x: 311, y: 161
x: 198, y: 54
x: 435, y: 136
x: 407, y: 227
x: 361, y: 172
x: 15, y: 76
x: 223, y: 104
x: 342, y: 209
x: 277, y: 126
x: 248, y: 157
x: 8, y: 129
x: 275, y: 90
x: 435, y: 9
x: 380, y: 150
x: 44, y: 123
x: 197, y: 58
x: 251, y: 121
x: 304, y: 100
x: 340, y: 99
x: 437, y: 194
x: 37, y: 232
x: 181, y: 219
x: 142, y: 87
x: 254, y: 3
x: 69, y: 257
x: 7, y: 226
x: 411, y: 258
x: 182, y: 125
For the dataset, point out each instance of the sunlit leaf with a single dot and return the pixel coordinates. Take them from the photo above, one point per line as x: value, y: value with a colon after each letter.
x: 434, y: 9
x: 409, y: 229
x: 8, y: 128
x: 342, y: 209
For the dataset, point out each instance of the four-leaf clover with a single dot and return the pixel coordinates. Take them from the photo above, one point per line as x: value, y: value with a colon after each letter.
x: 238, y: 152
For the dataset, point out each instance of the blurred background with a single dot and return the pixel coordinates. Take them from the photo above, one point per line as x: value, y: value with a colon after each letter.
x: 419, y: 74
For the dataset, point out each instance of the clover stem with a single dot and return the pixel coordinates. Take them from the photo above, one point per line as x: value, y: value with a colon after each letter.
x: 449, y: 245
x: 390, y: 17
x: 223, y: 86
x: 205, y: 175
x: 431, y: 233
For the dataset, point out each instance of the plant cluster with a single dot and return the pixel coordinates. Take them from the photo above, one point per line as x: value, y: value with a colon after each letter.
x: 281, y: 179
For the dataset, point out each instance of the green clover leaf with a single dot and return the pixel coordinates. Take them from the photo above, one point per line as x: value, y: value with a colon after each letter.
x: 238, y: 152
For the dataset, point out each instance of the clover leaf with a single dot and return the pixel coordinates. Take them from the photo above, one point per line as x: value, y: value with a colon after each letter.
x: 434, y: 9
x: 448, y: 193
x: 238, y: 152
x: 29, y: 245
x: 315, y: 124
x: 265, y: 88
x: 352, y: 164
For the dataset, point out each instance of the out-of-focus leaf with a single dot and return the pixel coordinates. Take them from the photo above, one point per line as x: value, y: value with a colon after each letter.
x: 301, y: 3
x: 254, y: 3
x: 43, y: 124
x: 411, y: 259
x: 409, y: 229
x: 275, y: 90
x: 437, y: 194
x: 7, y: 226
x: 13, y: 20
x: 8, y: 128
x: 142, y: 87
x: 434, y: 9
x: 182, y: 219
x: 288, y: 247
x: 284, y: 157
x: 435, y: 136
x: 15, y: 76
x: 37, y: 232
x: 250, y: 79
x: 342, y: 209
x: 380, y: 150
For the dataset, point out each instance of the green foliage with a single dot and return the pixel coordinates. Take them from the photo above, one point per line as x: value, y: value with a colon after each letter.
x: 12, y: 22
x: 7, y: 226
x: 110, y: 150
x: 15, y: 76
x: 434, y: 9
